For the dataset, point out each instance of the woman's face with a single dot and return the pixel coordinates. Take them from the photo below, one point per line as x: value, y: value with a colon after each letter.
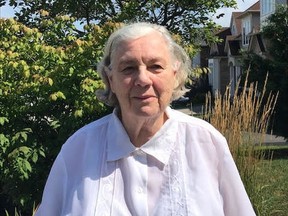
x: 142, y: 76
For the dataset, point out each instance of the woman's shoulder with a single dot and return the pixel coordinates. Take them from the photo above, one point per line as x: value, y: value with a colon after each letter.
x: 194, y: 124
x: 97, y: 124
x: 90, y: 134
x: 188, y: 119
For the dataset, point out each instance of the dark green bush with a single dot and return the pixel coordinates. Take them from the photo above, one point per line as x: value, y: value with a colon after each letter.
x: 47, y: 92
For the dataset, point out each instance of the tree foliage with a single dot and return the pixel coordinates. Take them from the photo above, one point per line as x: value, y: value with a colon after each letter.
x: 47, y: 86
x: 190, y: 19
x: 48, y: 75
x: 275, y: 32
x: 2, y: 2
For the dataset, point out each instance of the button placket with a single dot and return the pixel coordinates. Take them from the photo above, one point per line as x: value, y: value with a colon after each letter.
x: 139, y: 188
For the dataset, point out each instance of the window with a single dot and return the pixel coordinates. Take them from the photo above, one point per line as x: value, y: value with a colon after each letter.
x: 267, y: 6
x: 246, y: 29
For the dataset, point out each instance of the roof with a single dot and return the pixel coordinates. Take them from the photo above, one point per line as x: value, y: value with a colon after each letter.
x: 222, y: 35
x: 234, y: 47
x: 237, y: 15
x: 261, y: 43
x: 256, y: 40
x: 233, y: 44
x: 221, y: 30
x: 255, y: 8
x: 234, y: 17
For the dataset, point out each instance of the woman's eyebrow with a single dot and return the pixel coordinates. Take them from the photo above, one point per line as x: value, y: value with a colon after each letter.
x: 157, y: 60
x: 127, y: 62
x: 131, y: 61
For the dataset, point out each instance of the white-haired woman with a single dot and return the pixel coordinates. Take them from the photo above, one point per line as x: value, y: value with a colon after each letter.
x: 145, y: 158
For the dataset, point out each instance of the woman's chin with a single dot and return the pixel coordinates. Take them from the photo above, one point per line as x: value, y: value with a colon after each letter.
x: 147, y: 111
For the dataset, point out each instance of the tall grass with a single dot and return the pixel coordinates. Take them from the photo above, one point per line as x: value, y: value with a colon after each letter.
x: 243, y: 119
x: 18, y: 213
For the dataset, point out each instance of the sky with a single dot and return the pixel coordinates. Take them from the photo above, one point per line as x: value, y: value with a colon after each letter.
x: 242, y: 5
x: 7, y: 12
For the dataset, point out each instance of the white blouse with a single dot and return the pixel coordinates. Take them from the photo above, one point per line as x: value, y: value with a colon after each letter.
x: 185, y: 169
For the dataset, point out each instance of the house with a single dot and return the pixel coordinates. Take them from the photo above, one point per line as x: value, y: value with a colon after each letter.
x: 268, y: 7
x: 244, y: 24
x: 224, y: 59
x: 218, y: 63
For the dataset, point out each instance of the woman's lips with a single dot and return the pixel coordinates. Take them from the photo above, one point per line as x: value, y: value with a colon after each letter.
x: 144, y: 97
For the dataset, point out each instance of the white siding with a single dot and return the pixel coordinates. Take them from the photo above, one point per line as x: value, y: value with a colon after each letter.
x: 214, y: 76
x: 267, y: 7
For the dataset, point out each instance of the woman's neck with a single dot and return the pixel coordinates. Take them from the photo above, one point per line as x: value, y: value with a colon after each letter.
x: 142, y: 129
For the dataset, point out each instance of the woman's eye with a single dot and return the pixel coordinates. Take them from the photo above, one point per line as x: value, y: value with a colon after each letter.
x: 155, y: 67
x: 128, y: 69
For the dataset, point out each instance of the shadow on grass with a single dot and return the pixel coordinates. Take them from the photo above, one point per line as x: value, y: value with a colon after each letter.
x: 275, y: 152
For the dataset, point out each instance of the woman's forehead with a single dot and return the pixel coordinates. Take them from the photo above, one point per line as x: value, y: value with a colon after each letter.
x: 152, y: 47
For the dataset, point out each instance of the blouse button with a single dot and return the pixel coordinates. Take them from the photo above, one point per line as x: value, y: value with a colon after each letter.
x: 140, y: 190
x: 139, y: 152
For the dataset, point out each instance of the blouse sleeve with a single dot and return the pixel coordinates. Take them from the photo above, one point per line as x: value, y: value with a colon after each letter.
x: 235, y: 199
x: 54, y: 191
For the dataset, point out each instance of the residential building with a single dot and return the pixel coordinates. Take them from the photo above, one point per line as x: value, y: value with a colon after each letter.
x: 218, y: 63
x: 246, y: 23
x: 268, y: 7
x: 225, y: 64
x: 243, y: 35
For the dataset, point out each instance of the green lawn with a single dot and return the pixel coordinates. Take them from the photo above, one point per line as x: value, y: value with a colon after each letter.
x: 272, y: 184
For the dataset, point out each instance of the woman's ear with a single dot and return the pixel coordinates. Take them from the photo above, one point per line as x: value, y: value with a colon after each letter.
x: 111, y: 83
x: 108, y: 72
x: 176, y: 66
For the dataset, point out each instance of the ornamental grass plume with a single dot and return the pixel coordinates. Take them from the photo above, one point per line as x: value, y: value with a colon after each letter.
x: 243, y: 118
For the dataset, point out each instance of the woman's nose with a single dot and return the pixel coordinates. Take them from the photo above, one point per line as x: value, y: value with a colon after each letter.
x: 143, y: 78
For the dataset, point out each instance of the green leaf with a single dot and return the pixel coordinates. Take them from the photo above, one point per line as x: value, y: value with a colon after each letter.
x: 53, y: 97
x: 34, y: 157
x: 42, y: 152
x: 24, y: 135
x: 27, y: 166
x: 55, y: 124
x: 60, y: 95
x: 78, y: 113
x: 3, y: 140
x: 24, y: 149
x: 3, y: 120
x: 50, y: 81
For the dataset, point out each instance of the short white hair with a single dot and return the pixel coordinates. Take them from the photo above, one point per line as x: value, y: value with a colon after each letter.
x: 134, y: 31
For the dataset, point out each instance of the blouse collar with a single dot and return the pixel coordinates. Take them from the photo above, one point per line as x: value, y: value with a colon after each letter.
x: 159, y: 146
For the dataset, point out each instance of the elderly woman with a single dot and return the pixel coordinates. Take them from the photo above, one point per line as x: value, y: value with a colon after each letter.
x: 145, y: 158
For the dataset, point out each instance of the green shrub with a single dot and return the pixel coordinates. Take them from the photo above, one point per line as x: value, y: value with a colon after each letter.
x: 48, y: 80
